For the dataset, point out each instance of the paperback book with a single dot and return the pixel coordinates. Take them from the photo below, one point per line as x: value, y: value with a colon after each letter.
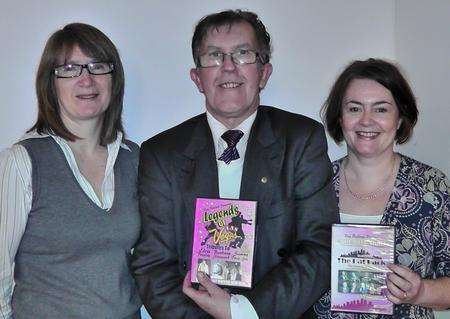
x: 359, y: 258
x: 224, y: 241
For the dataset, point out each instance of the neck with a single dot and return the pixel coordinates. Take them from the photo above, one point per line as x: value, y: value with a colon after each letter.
x: 373, y: 168
x: 370, y: 178
x: 88, y: 133
x: 232, y: 121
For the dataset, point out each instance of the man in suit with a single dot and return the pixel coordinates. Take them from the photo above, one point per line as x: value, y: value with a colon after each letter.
x: 237, y: 149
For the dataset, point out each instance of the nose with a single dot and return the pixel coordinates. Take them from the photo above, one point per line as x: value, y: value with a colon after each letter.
x: 366, y: 117
x: 228, y: 64
x: 85, y: 78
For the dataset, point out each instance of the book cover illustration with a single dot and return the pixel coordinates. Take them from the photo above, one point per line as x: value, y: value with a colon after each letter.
x: 224, y: 241
x: 359, y: 258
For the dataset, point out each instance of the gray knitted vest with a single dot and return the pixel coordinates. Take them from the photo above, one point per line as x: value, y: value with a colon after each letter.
x: 73, y: 258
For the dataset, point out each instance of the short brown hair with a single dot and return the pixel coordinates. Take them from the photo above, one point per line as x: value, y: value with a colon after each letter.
x: 386, y: 74
x: 59, y: 46
x: 229, y: 18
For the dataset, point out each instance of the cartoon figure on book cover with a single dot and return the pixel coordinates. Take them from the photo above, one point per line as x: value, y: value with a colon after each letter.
x: 211, y: 228
x: 236, y: 225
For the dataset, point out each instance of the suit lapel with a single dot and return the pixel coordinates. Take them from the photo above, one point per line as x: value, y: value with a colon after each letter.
x: 197, y: 168
x: 263, y: 159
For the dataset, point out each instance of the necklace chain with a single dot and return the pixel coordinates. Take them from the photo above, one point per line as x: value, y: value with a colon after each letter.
x: 375, y: 193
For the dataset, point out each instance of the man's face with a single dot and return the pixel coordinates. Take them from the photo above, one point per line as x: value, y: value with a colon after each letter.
x: 231, y: 91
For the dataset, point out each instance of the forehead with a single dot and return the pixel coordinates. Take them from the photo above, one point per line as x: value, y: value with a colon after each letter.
x: 76, y: 54
x: 230, y: 36
x: 367, y: 88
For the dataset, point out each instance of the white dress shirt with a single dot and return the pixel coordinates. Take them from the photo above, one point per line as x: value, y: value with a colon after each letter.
x: 16, y: 195
x: 229, y: 187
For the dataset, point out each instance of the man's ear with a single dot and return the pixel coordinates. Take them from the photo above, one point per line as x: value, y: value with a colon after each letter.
x: 196, y: 79
x: 266, y: 71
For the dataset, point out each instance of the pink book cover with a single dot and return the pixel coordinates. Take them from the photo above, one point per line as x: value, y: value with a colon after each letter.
x: 224, y: 241
x: 359, y: 258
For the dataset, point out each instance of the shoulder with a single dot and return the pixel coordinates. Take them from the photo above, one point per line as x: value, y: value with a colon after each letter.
x: 35, y: 140
x: 289, y: 122
x: 176, y: 136
x: 422, y: 175
x: 15, y: 161
x: 337, y: 166
x: 131, y: 151
x: 13, y: 155
x: 132, y: 146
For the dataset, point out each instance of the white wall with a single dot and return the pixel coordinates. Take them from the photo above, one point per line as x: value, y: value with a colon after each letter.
x: 423, y: 47
x: 313, y: 41
x: 422, y: 38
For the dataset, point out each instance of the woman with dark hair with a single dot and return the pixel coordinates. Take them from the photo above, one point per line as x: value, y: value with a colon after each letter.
x: 371, y: 107
x: 69, y: 213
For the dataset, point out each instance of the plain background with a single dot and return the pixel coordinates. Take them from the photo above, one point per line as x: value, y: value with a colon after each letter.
x: 312, y: 41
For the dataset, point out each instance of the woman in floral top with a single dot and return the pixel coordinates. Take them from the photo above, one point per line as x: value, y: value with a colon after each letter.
x: 371, y: 107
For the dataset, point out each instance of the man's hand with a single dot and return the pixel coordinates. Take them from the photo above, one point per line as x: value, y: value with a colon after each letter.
x: 404, y: 285
x: 212, y: 299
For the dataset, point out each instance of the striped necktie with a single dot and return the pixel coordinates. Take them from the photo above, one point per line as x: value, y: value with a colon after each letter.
x: 232, y: 137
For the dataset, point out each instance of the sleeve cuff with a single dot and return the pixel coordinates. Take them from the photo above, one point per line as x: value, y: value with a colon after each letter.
x: 241, y: 308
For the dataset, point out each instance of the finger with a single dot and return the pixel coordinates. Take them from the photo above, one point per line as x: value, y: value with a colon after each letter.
x: 393, y: 299
x: 395, y: 291
x: 204, y: 280
x: 187, y: 285
x: 201, y: 298
x: 188, y: 289
x: 402, y: 271
x: 399, y: 281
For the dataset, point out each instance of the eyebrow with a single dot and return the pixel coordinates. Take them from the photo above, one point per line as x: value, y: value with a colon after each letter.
x: 239, y: 46
x: 91, y: 60
x: 373, y: 104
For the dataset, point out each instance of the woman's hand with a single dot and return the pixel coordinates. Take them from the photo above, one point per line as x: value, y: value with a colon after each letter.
x: 404, y: 285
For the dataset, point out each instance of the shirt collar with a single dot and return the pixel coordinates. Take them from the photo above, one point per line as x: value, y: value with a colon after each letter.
x: 217, y: 129
x: 114, y: 146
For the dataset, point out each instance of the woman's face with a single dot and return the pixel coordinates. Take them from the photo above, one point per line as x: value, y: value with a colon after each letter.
x: 83, y: 98
x: 370, y: 119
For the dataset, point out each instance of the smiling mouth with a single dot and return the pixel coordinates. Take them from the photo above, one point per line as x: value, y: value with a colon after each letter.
x: 87, y: 96
x: 367, y: 134
x: 230, y: 85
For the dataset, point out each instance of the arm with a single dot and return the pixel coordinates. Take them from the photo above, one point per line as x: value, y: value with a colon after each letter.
x: 15, y: 204
x: 155, y: 258
x: 304, y: 273
x: 406, y: 286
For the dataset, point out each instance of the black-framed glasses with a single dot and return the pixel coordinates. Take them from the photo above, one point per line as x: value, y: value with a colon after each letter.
x: 74, y: 70
x: 239, y: 57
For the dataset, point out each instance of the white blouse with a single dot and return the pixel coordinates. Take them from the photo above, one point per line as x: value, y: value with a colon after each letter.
x: 16, y: 195
x: 360, y: 219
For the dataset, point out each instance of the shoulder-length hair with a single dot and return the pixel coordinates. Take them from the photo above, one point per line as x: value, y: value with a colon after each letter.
x: 386, y: 74
x: 93, y: 43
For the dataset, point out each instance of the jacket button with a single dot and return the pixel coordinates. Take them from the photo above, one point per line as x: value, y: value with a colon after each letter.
x: 282, y: 252
x: 184, y: 265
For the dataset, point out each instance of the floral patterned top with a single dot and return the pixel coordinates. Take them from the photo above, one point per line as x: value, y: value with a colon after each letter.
x: 419, y: 208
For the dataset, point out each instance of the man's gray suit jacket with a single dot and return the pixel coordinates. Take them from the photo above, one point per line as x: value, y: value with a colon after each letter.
x: 295, y: 210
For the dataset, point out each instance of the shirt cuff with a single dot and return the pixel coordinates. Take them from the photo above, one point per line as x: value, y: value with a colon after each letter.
x: 241, y: 308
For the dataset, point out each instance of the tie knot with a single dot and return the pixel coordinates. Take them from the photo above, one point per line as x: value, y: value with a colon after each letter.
x: 232, y: 137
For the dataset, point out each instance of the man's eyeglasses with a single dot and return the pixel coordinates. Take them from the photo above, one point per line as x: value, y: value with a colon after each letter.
x: 239, y: 57
x: 75, y: 70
